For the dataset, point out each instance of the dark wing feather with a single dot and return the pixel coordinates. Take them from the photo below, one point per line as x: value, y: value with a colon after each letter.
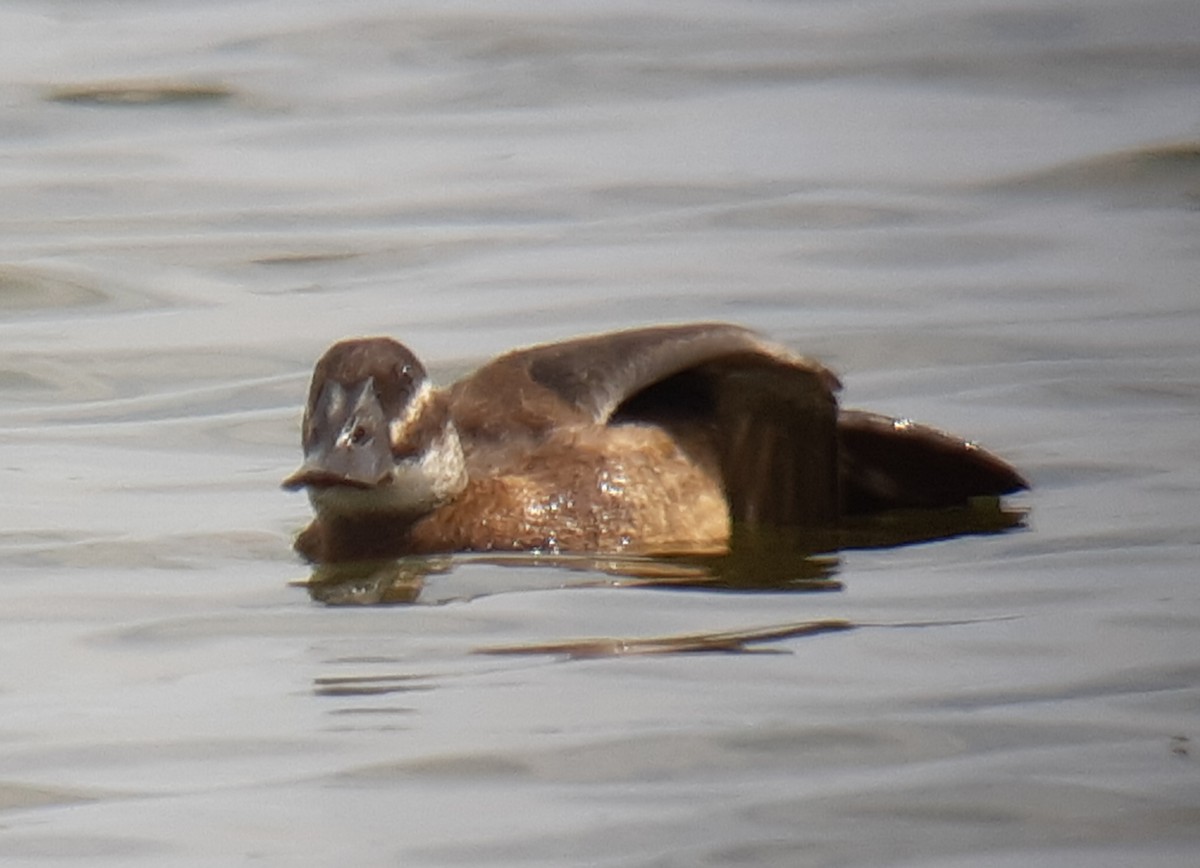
x: 528, y: 392
x: 897, y: 464
x: 776, y: 437
x: 763, y: 418
x: 598, y: 374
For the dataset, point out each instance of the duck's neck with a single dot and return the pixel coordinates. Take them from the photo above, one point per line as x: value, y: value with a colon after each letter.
x: 432, y: 474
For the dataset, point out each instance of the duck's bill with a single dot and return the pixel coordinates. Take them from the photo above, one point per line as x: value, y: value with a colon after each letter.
x: 310, y: 476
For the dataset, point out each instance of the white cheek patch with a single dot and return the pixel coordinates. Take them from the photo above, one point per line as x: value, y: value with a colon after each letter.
x: 439, y: 473
x: 412, y: 410
x: 444, y: 466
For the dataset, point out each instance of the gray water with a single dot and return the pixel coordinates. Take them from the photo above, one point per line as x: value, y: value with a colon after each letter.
x: 983, y: 213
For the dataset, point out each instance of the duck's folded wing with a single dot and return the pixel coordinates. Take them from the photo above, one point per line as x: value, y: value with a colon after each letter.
x: 888, y: 463
x: 598, y: 374
x: 774, y: 426
x: 758, y: 416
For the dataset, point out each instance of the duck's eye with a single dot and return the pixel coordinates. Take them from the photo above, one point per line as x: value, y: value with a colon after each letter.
x: 353, y: 434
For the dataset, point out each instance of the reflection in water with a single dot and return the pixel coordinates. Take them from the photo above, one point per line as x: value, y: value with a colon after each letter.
x: 370, y: 583
x: 23, y: 288
x: 138, y: 93
x: 758, y: 559
x: 367, y: 583
x: 724, y: 641
x: 1166, y: 174
x: 368, y: 685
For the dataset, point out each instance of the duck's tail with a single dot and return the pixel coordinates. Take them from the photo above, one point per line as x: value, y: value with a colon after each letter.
x: 887, y: 463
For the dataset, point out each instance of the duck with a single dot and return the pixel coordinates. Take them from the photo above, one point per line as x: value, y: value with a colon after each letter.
x: 649, y: 441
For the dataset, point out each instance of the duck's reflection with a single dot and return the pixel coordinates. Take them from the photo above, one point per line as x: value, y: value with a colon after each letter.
x: 799, y: 561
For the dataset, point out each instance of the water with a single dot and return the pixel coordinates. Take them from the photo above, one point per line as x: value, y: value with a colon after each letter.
x: 982, y: 213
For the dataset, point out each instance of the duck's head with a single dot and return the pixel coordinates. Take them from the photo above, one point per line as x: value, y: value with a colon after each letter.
x: 377, y: 438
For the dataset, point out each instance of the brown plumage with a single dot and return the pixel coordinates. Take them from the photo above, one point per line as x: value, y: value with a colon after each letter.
x: 649, y: 441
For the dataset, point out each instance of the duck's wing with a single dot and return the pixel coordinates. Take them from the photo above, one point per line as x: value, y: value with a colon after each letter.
x: 598, y: 374
x: 888, y: 463
x: 761, y: 417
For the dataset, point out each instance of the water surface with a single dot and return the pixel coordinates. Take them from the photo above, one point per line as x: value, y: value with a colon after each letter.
x: 983, y: 214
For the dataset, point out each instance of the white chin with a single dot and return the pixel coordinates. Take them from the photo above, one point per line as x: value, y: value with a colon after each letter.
x: 417, y: 486
x: 349, y: 500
